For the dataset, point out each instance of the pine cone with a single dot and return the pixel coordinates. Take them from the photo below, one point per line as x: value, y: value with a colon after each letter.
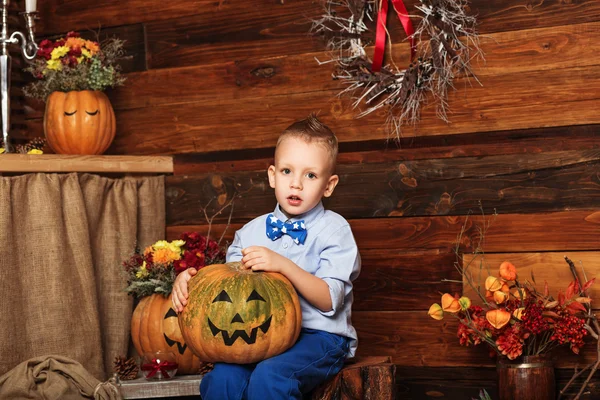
x: 126, y: 368
x: 206, y: 368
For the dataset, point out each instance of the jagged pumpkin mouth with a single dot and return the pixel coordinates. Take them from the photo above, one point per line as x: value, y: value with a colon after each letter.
x: 229, y: 340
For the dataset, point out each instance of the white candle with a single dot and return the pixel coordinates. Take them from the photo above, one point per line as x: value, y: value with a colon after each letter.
x: 30, y: 5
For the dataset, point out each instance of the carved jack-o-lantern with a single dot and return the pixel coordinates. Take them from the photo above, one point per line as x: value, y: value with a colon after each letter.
x: 239, y: 316
x: 154, y: 327
x: 79, y: 122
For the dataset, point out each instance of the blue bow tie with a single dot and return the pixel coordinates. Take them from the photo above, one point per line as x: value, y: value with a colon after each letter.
x: 277, y: 228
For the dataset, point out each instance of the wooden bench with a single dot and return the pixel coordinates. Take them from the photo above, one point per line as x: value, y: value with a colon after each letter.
x: 363, y: 378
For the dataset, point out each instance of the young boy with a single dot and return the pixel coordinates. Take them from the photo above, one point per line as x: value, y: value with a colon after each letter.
x: 316, y: 251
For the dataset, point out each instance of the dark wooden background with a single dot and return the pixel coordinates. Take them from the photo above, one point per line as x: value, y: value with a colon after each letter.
x: 215, y: 82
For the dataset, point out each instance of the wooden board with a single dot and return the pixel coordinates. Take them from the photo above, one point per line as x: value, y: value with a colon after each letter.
x: 228, y: 79
x: 542, y: 232
x: 520, y: 183
x: 526, y: 141
x: 72, y: 163
x: 493, y: 15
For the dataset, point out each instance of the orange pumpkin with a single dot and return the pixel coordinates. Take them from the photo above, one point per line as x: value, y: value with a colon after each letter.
x: 154, y: 327
x: 238, y: 316
x: 79, y: 122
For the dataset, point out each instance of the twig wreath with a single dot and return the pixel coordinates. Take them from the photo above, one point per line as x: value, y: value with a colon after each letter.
x: 453, y: 43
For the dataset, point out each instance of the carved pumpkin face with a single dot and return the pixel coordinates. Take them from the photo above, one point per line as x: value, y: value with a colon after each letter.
x: 154, y: 327
x: 79, y: 122
x: 239, y: 316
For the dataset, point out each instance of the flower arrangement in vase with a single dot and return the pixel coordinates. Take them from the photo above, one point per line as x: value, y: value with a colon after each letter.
x: 518, y: 322
x: 70, y: 75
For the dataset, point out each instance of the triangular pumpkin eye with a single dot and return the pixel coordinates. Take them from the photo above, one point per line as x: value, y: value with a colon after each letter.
x: 255, y: 296
x: 223, y: 296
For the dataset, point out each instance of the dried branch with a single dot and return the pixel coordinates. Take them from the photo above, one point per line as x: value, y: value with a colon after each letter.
x: 593, y: 328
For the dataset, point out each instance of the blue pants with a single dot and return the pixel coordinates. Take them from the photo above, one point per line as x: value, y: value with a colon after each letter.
x: 316, y: 356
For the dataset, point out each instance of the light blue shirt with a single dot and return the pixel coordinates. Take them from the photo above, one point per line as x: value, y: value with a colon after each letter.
x: 329, y: 252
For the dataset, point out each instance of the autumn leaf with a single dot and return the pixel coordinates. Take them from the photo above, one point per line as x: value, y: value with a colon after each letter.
x: 587, y: 285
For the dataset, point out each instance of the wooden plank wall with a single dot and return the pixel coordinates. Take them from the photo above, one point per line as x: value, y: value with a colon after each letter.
x: 214, y: 82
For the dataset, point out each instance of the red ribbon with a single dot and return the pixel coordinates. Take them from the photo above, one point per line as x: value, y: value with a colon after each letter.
x: 381, y: 32
x: 157, y: 365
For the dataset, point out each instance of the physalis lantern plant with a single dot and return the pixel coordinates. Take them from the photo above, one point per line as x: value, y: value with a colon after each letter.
x: 73, y: 63
x: 155, y: 269
x: 516, y: 320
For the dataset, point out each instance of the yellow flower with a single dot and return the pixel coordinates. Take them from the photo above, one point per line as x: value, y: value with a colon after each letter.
x: 58, y: 52
x: 436, y: 312
x: 161, y: 244
x: 79, y: 60
x: 175, y: 245
x: 464, y: 302
x: 35, y: 151
x: 54, y: 65
x: 143, y: 272
x: 86, y: 52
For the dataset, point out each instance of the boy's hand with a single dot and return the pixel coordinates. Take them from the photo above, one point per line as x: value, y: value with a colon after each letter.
x: 260, y: 258
x: 180, y: 289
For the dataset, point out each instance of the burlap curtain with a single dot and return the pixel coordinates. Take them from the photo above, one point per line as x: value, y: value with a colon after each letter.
x: 62, y: 239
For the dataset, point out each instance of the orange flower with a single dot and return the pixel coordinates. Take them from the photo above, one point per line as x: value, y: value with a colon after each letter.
x: 436, y: 312
x: 92, y: 46
x: 164, y: 256
x: 492, y: 283
x: 500, y: 297
x: 518, y: 313
x: 508, y: 271
x: 450, y: 303
x: 498, y: 318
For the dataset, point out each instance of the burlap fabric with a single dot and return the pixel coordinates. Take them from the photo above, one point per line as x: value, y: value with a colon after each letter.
x: 62, y: 240
x: 54, y: 378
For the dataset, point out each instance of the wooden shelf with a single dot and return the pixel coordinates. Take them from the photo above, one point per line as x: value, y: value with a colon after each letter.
x: 98, y: 164
x: 140, y: 388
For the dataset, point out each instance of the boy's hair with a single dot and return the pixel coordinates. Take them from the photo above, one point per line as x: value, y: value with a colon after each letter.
x: 311, y: 129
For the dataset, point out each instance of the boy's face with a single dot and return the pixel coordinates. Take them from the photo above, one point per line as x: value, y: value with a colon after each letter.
x: 301, y: 175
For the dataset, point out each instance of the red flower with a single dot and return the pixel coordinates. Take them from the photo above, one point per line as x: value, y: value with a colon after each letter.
x: 72, y: 34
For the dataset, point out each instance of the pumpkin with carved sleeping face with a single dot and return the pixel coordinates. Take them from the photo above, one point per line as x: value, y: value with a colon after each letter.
x: 239, y: 316
x: 79, y: 122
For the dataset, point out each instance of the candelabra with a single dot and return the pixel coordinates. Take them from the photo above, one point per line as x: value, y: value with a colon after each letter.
x: 28, y: 48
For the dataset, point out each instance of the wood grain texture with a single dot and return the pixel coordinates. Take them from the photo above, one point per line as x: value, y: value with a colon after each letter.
x: 260, y: 29
x: 537, y: 268
x: 511, y: 233
x: 368, y: 378
x: 494, y: 15
x: 507, y: 183
x: 98, y: 164
x: 460, y: 383
x: 526, y: 141
x: 394, y: 280
x: 412, y: 338
x: 525, y: 100
x: 506, y: 52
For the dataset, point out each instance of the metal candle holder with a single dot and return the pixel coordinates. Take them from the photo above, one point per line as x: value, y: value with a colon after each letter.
x: 28, y: 48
